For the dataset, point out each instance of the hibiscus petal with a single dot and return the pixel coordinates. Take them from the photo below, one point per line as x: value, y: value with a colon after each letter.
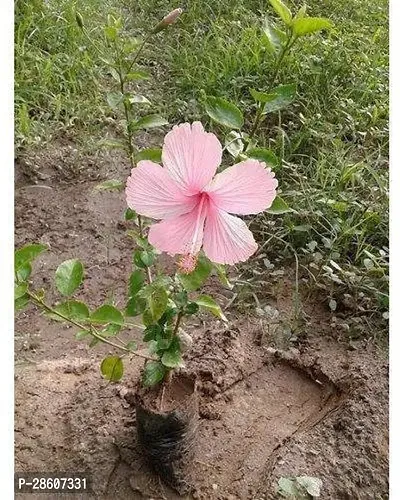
x: 151, y: 192
x: 227, y: 239
x: 191, y: 156
x: 180, y: 235
x: 246, y: 188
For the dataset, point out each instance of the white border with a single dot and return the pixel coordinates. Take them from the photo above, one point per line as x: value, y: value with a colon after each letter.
x: 6, y: 250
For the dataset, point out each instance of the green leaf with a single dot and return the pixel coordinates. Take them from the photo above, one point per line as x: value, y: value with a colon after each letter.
x: 284, y: 95
x: 152, y: 332
x: 69, y: 276
x: 110, y: 185
x: 279, y: 206
x: 112, y: 368
x: 138, y: 99
x: 224, y: 112
x: 223, y: 278
x: 265, y: 155
x: 129, y: 214
x: 143, y: 258
x: 114, y: 99
x: 234, y: 143
x: 208, y: 303
x: 309, y: 25
x: 262, y: 96
x: 158, y: 302
x: 137, y: 75
x: 20, y: 290
x: 135, y: 306
x: 153, y: 373
x: 147, y: 318
x: 191, y: 308
x: 21, y: 302
x: 272, y: 37
x: 172, y: 358
x: 136, y: 281
x: 149, y: 121
x: 195, y: 279
x: 27, y: 254
x: 23, y: 272
x: 152, y: 154
x: 282, y: 11
x: 107, y: 314
x: 72, y: 309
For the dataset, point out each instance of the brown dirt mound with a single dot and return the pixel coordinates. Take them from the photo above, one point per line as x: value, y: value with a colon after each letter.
x: 319, y: 409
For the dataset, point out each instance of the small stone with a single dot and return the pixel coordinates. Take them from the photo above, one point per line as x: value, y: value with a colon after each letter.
x: 215, y: 486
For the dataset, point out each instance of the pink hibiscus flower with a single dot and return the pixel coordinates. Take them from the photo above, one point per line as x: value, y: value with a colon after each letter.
x: 195, y: 206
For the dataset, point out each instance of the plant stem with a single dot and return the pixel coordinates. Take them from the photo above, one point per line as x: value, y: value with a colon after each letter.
x: 40, y: 303
x: 178, y: 321
x: 261, y: 107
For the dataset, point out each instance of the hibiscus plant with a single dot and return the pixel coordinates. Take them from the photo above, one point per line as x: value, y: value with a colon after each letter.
x: 196, y: 211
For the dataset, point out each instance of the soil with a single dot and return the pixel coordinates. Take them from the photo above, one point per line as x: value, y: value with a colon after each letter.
x: 316, y: 406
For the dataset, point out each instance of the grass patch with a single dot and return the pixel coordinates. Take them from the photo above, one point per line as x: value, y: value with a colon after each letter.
x: 332, y: 142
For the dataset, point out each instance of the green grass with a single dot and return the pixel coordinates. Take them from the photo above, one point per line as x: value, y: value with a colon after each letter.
x: 332, y: 142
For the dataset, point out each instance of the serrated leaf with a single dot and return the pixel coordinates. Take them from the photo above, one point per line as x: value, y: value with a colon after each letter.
x: 27, y: 254
x: 224, y: 112
x: 151, y: 332
x: 172, y: 358
x: 69, y: 276
x: 273, y: 38
x: 112, y: 368
x: 130, y: 214
x: 265, y: 155
x: 20, y: 290
x: 110, y: 185
x: 138, y: 99
x: 114, y: 99
x: 195, y: 279
x: 309, y: 25
x: 143, y: 258
x: 152, y: 154
x: 153, y: 373
x: 282, y: 10
x: 279, y: 206
x: 71, y: 309
x: 208, y: 303
x: 135, y: 306
x: 284, y: 95
x: 158, y: 302
x: 23, y: 272
x: 234, y: 143
x: 149, y: 121
x: 262, y: 96
x: 21, y: 302
x: 107, y: 314
x: 136, y: 282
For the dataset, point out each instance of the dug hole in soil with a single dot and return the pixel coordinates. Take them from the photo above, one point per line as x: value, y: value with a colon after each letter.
x: 318, y: 409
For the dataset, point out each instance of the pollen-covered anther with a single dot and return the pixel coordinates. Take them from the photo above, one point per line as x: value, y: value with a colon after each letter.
x: 187, y: 263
